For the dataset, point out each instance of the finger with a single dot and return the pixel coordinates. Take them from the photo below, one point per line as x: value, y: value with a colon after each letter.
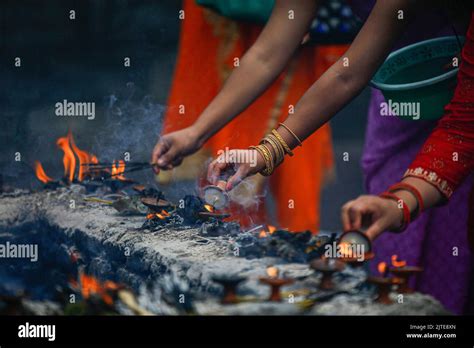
x: 160, y: 148
x: 237, y: 178
x: 215, y: 170
x: 168, y: 157
x: 346, y: 222
x: 355, y: 215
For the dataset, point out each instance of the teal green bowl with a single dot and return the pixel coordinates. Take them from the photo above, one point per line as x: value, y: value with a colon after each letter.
x: 414, y: 79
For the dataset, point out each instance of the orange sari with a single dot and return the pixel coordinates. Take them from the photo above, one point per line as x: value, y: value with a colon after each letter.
x: 208, y: 46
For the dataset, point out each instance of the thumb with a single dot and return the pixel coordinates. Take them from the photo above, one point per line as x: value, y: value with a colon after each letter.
x: 167, y: 157
x: 377, y: 227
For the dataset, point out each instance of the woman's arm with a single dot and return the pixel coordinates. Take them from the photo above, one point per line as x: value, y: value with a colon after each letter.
x: 350, y: 74
x: 445, y: 160
x: 257, y: 69
x: 340, y: 83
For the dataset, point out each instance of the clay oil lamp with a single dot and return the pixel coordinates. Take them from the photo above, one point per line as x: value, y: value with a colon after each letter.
x: 384, y: 284
x: 401, y: 271
x: 355, y: 248
x: 275, y: 282
x: 230, y: 284
x: 212, y: 213
x: 327, y: 267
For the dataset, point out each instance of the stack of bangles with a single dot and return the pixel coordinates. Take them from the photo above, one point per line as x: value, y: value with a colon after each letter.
x: 407, y: 216
x: 274, y: 141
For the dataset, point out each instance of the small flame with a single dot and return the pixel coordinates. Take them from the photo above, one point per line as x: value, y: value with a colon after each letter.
x: 397, y: 263
x: 209, y: 208
x: 69, y: 160
x: 40, y: 174
x: 117, y: 170
x: 265, y: 233
x: 91, y: 286
x: 346, y: 249
x: 161, y: 215
x: 273, y: 272
x: 382, y: 268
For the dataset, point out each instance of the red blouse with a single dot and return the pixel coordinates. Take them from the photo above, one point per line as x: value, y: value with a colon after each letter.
x: 447, y: 157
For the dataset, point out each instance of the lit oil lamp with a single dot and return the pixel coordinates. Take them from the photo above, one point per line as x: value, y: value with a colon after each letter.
x: 211, y: 213
x: 384, y: 284
x: 230, y: 284
x: 403, y: 272
x: 355, y: 248
x: 327, y: 267
x: 275, y: 282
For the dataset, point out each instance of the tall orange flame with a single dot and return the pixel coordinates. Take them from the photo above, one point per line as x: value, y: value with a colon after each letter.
x: 40, y: 174
x: 83, y: 156
x: 69, y: 160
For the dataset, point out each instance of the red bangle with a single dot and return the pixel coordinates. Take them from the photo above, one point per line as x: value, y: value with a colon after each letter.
x: 415, y: 192
x: 405, y: 210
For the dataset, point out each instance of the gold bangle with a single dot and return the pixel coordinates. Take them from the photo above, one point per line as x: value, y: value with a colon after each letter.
x: 282, y: 142
x: 270, y: 154
x: 277, y: 147
x: 292, y: 133
x: 267, y: 170
x: 266, y: 152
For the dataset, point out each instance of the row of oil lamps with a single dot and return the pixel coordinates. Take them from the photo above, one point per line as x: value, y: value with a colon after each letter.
x: 328, y: 267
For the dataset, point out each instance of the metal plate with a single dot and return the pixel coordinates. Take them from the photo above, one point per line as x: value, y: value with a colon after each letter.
x: 356, y: 237
x: 216, y: 197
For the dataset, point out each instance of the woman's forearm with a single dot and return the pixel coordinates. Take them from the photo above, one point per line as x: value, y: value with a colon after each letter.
x: 261, y: 65
x: 348, y: 76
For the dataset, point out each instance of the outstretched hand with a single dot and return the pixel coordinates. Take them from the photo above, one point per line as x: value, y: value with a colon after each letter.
x: 233, y: 173
x: 375, y: 213
x: 171, y: 149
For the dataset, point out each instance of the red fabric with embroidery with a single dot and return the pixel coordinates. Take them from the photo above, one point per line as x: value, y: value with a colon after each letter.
x: 447, y: 157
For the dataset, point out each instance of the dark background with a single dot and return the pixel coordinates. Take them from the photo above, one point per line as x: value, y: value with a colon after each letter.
x: 82, y: 60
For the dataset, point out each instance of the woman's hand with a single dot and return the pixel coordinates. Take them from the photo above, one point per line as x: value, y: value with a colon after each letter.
x: 171, y: 148
x: 251, y: 162
x: 376, y: 213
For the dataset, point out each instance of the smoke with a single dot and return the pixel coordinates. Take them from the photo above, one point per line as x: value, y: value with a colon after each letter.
x: 133, y: 122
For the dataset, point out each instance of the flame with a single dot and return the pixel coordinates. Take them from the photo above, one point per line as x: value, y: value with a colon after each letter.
x: 40, y: 174
x: 264, y: 233
x: 161, y: 215
x: 397, y: 263
x: 382, y: 267
x: 91, y: 286
x: 272, y: 272
x: 84, y: 158
x: 209, y: 208
x: 69, y: 160
x: 117, y: 170
x: 346, y: 249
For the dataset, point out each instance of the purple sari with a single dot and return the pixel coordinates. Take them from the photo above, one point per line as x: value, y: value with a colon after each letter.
x: 437, y: 240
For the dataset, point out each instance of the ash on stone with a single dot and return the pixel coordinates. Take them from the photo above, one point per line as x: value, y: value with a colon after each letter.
x: 298, y: 247
x: 215, y: 228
